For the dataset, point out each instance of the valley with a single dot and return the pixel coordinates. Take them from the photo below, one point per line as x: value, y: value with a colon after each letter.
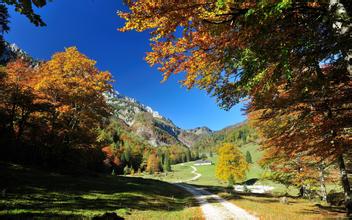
x: 175, y: 110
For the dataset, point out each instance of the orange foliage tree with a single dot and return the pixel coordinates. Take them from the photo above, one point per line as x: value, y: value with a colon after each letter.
x: 53, y: 108
x: 74, y: 86
x: 309, y: 117
x: 153, y: 164
x: 259, y: 50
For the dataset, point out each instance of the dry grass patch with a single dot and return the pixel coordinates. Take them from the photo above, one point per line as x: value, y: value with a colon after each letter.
x: 267, y: 207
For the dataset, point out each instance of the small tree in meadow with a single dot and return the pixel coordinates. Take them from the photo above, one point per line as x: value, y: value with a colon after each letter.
x: 126, y: 170
x: 231, y: 162
x: 249, y: 157
x: 230, y: 182
x: 204, y: 156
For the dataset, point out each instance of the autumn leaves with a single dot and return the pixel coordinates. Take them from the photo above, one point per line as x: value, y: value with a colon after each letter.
x: 55, y: 103
x: 232, y: 165
x: 288, y: 58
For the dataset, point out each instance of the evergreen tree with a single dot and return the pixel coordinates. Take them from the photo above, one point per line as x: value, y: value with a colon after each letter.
x: 126, y: 170
x: 188, y: 155
x: 204, y: 156
x: 167, y: 164
x: 230, y: 181
x: 249, y: 157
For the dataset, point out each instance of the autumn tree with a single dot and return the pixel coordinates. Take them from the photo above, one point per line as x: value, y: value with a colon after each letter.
x: 75, y: 87
x: 51, y: 112
x: 153, y: 164
x: 234, y: 49
x: 252, y: 49
x: 19, y: 100
x: 311, y: 116
x: 231, y: 163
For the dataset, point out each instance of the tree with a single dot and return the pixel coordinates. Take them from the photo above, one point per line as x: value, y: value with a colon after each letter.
x: 4, y: 26
x: 249, y: 157
x: 237, y: 50
x: 167, y: 164
x: 153, y: 164
x: 75, y: 87
x: 309, y: 117
x: 203, y: 156
x: 234, y: 49
x: 52, y: 111
x: 21, y: 104
x: 300, y: 171
x: 25, y: 7
x: 126, y: 170
x: 188, y: 155
x: 231, y: 163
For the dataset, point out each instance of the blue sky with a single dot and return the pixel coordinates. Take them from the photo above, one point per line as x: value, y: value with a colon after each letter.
x: 91, y: 25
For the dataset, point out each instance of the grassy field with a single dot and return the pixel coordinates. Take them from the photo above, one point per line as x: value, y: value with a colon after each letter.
x: 30, y: 192
x: 179, y: 172
x: 183, y: 171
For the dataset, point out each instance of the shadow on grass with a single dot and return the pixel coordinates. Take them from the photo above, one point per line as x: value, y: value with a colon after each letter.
x: 32, y: 193
x: 331, y: 208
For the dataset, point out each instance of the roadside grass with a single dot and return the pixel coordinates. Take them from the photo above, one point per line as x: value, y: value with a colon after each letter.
x: 269, y: 207
x: 31, y: 193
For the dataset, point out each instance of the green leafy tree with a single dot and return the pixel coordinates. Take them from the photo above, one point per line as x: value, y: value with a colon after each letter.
x: 204, y: 156
x: 188, y: 155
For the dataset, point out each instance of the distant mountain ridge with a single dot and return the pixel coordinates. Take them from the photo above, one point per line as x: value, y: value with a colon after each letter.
x: 151, y: 125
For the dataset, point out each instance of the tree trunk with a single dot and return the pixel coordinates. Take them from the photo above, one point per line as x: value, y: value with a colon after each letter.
x: 345, y: 184
x: 322, y: 183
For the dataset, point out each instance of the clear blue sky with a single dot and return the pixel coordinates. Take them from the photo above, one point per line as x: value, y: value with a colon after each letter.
x: 91, y: 25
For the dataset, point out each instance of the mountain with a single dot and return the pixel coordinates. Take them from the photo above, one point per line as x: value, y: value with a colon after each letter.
x: 12, y: 52
x: 150, y: 125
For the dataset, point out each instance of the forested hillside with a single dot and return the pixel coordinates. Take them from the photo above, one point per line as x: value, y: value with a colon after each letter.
x: 238, y: 134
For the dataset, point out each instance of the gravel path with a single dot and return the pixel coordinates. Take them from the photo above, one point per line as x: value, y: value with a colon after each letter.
x: 213, y: 206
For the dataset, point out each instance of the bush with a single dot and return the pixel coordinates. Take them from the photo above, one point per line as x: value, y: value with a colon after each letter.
x: 336, y: 198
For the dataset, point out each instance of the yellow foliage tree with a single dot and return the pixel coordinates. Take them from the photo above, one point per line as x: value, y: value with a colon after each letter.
x: 153, y: 164
x: 231, y: 163
x: 75, y: 87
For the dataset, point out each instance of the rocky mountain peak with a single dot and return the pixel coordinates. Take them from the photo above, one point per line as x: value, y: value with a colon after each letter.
x: 150, y: 124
